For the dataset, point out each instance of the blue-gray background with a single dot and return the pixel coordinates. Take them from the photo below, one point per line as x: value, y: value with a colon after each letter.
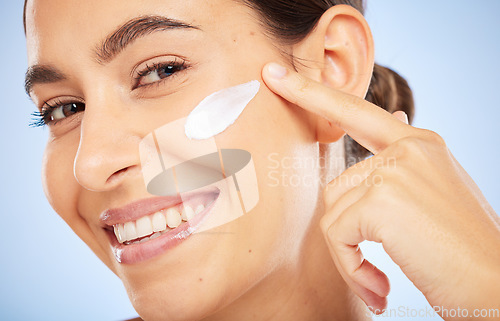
x: 448, y: 50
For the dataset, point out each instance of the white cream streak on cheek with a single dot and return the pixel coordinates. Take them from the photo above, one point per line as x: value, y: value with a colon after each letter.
x: 218, y: 111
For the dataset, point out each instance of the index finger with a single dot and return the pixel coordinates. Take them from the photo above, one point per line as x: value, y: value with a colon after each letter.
x: 371, y: 126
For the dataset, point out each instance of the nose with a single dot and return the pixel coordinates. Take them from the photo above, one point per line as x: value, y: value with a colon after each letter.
x: 108, y: 151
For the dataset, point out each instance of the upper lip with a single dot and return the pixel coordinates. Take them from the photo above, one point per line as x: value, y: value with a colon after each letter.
x: 140, y: 208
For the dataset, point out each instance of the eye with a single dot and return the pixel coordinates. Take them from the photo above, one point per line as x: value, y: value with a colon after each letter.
x: 158, y: 71
x: 66, y: 110
x: 54, y: 112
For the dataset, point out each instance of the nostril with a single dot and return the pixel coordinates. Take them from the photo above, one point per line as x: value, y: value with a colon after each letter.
x: 117, y: 175
x: 102, y: 161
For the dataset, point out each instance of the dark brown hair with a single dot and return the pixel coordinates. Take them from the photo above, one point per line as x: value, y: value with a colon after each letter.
x: 290, y: 21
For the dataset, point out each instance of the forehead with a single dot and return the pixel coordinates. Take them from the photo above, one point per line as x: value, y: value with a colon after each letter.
x: 75, y: 27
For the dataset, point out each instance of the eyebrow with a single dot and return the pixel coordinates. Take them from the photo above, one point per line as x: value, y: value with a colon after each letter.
x: 112, y: 45
x: 134, y: 29
x: 40, y: 74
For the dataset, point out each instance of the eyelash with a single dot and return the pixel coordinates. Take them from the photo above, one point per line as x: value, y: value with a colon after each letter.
x: 37, y: 119
x: 174, y: 67
x: 43, y: 117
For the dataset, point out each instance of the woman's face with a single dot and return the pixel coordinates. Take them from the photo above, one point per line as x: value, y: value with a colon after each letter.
x: 92, y: 162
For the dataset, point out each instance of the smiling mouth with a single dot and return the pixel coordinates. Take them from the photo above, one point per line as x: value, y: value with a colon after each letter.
x: 146, y: 228
x: 161, y: 222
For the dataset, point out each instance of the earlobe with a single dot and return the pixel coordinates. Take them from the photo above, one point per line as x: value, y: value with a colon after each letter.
x: 342, y: 47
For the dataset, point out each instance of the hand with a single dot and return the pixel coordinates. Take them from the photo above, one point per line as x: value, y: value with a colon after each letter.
x: 412, y: 196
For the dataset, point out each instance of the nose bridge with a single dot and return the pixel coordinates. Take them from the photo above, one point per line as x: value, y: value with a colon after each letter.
x: 108, y: 146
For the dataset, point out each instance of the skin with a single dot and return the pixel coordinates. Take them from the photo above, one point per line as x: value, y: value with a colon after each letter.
x: 412, y: 196
x: 264, y: 265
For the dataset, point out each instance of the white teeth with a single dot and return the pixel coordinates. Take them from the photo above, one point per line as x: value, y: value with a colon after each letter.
x: 154, y: 225
x: 187, y: 213
x: 130, y: 231
x: 142, y: 240
x: 155, y: 235
x: 199, y: 209
x: 119, y: 232
x: 159, y: 222
x: 144, y: 226
x: 173, y: 218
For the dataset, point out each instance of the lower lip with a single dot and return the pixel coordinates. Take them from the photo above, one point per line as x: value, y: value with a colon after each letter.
x: 135, y: 253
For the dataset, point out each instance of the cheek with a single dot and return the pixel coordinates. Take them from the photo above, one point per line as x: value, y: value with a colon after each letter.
x: 59, y: 183
x: 271, y: 130
x: 62, y: 190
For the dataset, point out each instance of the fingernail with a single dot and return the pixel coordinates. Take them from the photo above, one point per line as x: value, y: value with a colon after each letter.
x: 276, y: 71
x: 401, y: 115
x: 405, y: 118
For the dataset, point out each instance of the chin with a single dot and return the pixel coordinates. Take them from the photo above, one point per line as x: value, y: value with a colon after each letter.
x: 178, y: 298
x: 173, y: 308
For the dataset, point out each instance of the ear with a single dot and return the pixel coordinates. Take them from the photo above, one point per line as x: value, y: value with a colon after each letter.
x: 339, y: 53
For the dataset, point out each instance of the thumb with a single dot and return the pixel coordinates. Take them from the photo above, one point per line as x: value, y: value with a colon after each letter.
x: 401, y: 115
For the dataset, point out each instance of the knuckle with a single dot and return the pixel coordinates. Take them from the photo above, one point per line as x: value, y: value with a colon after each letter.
x: 409, y: 147
x: 333, y: 235
x: 349, y: 108
x: 303, y: 85
x: 324, y: 224
x: 432, y: 137
x: 420, y: 148
x: 375, y: 179
x: 300, y: 90
x: 328, y: 195
x: 382, y: 184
